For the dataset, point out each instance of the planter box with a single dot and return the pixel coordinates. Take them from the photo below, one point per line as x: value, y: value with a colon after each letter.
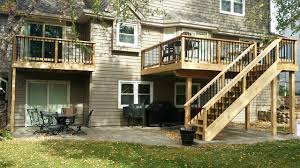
x: 187, y: 136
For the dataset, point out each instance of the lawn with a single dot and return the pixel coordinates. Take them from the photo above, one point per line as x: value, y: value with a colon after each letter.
x: 63, y: 153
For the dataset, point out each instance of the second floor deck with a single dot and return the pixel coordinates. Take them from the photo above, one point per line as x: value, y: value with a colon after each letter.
x: 206, y: 54
x: 53, y: 54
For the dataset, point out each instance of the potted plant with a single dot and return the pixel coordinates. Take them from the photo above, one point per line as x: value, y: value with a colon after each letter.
x: 187, y: 136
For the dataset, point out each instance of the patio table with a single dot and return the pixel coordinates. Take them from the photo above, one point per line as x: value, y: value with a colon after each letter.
x: 63, y: 119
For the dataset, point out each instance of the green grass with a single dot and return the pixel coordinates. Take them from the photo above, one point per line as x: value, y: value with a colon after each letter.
x: 60, y: 153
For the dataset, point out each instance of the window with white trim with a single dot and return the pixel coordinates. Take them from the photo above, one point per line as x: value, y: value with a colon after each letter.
x: 179, y: 96
x: 127, y: 34
x: 234, y: 7
x: 134, y: 92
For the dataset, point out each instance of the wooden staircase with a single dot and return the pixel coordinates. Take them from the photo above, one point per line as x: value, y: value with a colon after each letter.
x: 227, y: 100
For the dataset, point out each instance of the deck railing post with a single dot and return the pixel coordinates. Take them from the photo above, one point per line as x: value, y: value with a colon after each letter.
x: 182, y: 49
x: 277, y: 52
x: 56, y: 51
x: 14, y: 49
x: 218, y: 52
x: 94, y: 54
x: 295, y: 43
x: 142, y: 59
x: 160, y: 55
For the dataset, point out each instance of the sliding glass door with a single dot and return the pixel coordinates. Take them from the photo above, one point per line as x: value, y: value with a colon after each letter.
x: 49, y: 96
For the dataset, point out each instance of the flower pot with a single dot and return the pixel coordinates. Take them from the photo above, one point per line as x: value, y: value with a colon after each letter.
x: 187, y: 136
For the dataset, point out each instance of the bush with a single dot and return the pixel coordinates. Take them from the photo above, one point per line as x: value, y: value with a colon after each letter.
x: 6, y: 134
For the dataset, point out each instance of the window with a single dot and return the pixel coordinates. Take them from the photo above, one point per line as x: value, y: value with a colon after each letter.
x: 135, y: 92
x: 42, y: 49
x: 127, y: 34
x: 180, y: 98
x: 234, y: 7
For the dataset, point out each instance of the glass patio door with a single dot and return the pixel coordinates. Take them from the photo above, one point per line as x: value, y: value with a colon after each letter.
x: 49, y: 96
x: 36, y: 98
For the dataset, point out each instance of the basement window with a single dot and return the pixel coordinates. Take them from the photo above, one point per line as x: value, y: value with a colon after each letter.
x: 233, y: 7
x: 134, y: 92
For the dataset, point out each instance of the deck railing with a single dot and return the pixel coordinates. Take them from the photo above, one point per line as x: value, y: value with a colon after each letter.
x: 287, y: 51
x: 196, y: 50
x: 53, y: 50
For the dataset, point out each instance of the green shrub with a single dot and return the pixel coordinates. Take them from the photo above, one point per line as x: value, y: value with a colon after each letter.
x: 6, y: 134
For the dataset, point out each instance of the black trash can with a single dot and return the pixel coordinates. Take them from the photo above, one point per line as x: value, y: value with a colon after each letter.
x: 187, y: 136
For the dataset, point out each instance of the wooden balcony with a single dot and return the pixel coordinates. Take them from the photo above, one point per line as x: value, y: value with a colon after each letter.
x: 53, y: 54
x: 203, y: 54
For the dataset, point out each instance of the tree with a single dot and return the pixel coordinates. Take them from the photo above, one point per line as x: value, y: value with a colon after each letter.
x: 288, y: 15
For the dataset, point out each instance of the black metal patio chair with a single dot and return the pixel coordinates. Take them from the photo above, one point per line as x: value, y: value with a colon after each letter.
x: 36, y: 120
x: 86, y: 123
x: 133, y: 112
x: 51, y: 124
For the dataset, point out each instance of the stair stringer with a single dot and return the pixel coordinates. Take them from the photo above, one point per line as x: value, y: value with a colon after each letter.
x: 238, y: 105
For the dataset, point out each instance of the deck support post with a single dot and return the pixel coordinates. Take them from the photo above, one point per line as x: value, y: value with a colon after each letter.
x: 247, y: 108
x: 188, y: 93
x: 13, y: 98
x: 292, y: 102
x: 274, y: 106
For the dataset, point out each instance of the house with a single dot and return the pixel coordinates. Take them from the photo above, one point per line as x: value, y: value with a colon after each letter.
x: 205, y: 49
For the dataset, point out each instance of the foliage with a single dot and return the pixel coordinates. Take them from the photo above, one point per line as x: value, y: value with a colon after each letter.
x: 283, y: 91
x: 288, y: 15
x: 6, y: 134
x: 56, y: 153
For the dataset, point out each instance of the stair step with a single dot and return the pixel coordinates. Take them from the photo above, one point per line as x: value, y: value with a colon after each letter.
x: 199, y: 133
x: 198, y: 125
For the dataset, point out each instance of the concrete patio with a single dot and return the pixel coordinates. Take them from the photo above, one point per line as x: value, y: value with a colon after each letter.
x: 155, y: 135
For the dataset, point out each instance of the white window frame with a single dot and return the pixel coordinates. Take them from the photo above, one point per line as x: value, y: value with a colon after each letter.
x: 175, y: 93
x: 135, y: 91
x: 232, y: 8
x: 135, y: 35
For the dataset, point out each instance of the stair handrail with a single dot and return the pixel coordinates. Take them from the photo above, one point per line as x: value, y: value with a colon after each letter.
x: 219, y: 75
x: 241, y: 74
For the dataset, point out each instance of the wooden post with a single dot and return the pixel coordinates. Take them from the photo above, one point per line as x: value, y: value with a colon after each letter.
x: 56, y: 52
x: 142, y: 60
x: 292, y: 102
x: 188, y: 93
x: 14, y: 49
x: 13, y: 98
x: 223, y: 81
x: 204, y: 124
x: 247, y: 117
x: 295, y: 51
x: 255, y: 50
x: 182, y: 49
x: 160, y: 55
x: 219, y: 52
x: 94, y: 54
x: 247, y: 108
x: 274, y: 106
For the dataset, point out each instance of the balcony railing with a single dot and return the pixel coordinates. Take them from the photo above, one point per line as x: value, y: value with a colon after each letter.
x: 196, y: 50
x: 53, y: 51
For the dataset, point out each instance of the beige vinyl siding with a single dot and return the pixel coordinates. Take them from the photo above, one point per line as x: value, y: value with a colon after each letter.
x: 208, y: 12
x: 112, y: 66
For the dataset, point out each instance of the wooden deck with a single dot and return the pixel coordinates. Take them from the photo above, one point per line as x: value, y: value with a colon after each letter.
x: 52, y: 53
x: 205, y: 54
